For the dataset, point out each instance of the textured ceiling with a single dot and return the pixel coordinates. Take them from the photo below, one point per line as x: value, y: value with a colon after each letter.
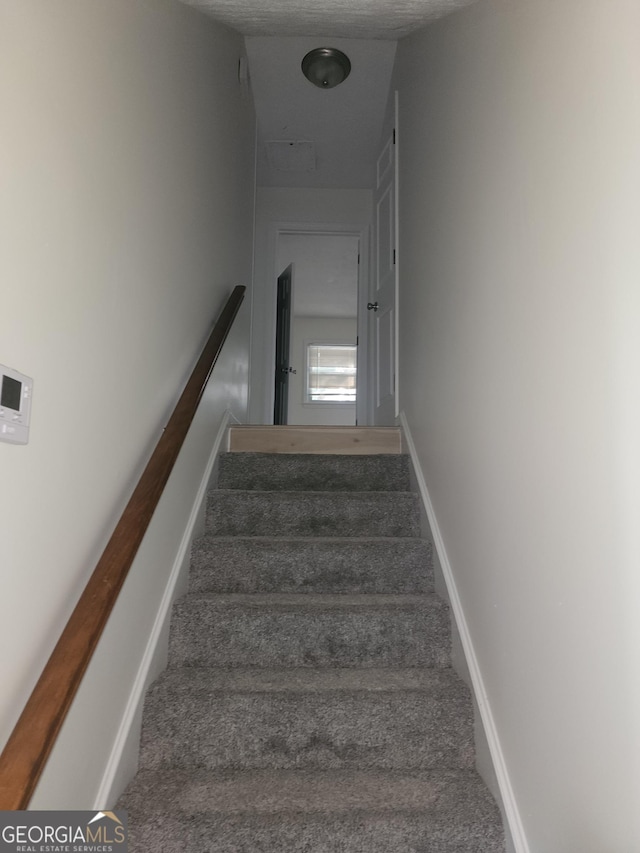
x: 359, y: 19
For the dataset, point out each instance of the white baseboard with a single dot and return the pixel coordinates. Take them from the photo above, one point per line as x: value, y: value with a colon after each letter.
x: 509, y: 804
x: 127, y: 739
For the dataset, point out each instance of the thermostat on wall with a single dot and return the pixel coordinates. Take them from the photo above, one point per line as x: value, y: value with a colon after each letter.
x: 15, y: 405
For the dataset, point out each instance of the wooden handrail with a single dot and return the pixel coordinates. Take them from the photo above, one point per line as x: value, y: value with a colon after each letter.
x: 34, y: 735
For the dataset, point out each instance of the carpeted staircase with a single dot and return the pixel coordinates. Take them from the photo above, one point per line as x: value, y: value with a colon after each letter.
x: 309, y: 705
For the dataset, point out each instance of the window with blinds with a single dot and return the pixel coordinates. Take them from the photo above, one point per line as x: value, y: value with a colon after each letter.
x: 331, y: 373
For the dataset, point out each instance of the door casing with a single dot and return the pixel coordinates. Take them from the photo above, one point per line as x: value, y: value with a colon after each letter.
x: 384, y: 287
x: 288, y: 228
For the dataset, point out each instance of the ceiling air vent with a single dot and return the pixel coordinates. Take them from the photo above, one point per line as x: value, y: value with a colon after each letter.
x: 290, y: 155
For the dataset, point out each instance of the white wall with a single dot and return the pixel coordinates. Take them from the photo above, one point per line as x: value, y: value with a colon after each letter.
x: 326, y: 273
x: 280, y: 209
x: 326, y: 330
x: 519, y: 355
x: 125, y: 219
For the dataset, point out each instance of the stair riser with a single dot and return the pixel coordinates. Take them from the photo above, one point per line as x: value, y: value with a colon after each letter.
x: 312, y: 833
x: 315, y: 439
x: 312, y: 514
x: 313, y: 473
x: 207, y: 636
x: 334, y: 730
x: 401, y: 566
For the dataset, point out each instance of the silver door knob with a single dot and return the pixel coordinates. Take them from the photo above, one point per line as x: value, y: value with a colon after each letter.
x: 372, y: 306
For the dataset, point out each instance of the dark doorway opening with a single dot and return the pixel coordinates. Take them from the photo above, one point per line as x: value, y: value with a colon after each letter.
x: 283, y: 342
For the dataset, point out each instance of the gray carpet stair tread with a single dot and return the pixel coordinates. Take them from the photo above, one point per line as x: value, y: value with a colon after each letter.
x: 292, y: 602
x: 315, y: 812
x: 310, y: 630
x: 309, y: 472
x: 422, y: 721
x: 311, y: 564
x: 289, y: 791
x: 247, y: 513
x: 302, y: 680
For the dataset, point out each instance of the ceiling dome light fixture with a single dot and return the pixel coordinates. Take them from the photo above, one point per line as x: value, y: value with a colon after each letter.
x: 326, y: 67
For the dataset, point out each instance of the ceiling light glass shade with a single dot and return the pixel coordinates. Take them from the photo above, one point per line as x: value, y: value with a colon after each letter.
x: 326, y: 67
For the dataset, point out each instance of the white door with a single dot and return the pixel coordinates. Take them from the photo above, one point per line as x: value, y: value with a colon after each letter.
x: 382, y: 307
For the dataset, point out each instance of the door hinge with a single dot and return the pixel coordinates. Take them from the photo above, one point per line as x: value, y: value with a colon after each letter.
x: 394, y: 257
x: 394, y: 136
x: 358, y: 257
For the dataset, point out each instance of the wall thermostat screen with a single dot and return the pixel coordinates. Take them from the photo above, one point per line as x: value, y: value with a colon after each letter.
x: 11, y: 393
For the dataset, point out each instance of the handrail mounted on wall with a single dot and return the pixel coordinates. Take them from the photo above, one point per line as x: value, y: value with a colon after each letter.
x: 35, y: 733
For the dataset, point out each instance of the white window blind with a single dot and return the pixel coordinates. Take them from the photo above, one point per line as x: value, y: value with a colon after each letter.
x: 331, y: 373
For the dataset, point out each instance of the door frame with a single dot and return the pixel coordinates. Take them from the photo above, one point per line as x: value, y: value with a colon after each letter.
x: 392, y: 133
x: 326, y: 229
